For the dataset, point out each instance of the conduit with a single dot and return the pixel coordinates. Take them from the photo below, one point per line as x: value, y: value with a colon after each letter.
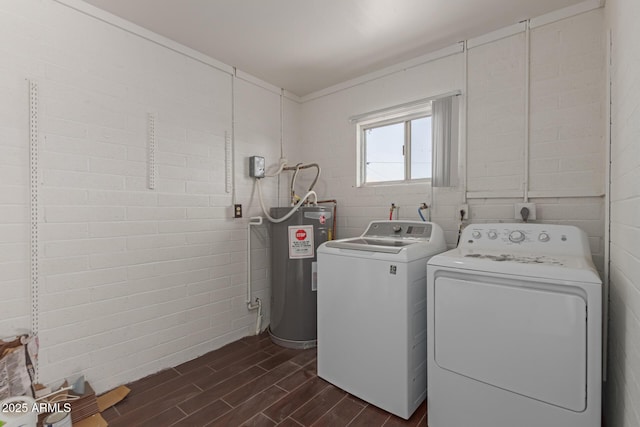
x: 465, y: 139
x: 257, y: 220
x: 527, y: 118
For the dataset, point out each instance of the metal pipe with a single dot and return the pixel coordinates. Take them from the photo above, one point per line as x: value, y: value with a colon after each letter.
x: 291, y: 212
x: 527, y: 89
x: 258, y: 303
x: 297, y: 168
x: 259, y: 316
x: 300, y: 166
x: 315, y: 180
x: 335, y: 213
x: 293, y: 183
x: 465, y: 139
x: 607, y: 214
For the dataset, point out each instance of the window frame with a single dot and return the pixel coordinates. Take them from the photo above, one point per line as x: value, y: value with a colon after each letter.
x: 405, y: 116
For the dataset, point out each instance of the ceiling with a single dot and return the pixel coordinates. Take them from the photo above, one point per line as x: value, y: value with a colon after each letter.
x: 307, y: 45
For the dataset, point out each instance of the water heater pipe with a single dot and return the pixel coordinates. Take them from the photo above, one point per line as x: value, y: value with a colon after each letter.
x: 256, y: 220
x: 291, y: 212
x: 295, y: 207
x: 296, y: 169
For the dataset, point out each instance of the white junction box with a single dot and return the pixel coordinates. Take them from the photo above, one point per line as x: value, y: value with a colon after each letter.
x: 520, y: 206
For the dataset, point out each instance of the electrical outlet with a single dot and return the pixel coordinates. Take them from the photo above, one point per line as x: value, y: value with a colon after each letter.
x: 461, y: 208
x: 518, y: 210
x: 237, y: 211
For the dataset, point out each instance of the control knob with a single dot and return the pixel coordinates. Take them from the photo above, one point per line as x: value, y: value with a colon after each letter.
x: 397, y: 228
x: 492, y: 235
x: 544, y: 237
x: 476, y: 235
x: 516, y: 236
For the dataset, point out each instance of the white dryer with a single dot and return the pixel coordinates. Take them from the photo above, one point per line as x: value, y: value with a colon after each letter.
x: 514, y: 329
x: 372, y: 312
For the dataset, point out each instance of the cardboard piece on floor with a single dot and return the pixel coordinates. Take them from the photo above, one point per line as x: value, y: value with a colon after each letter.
x: 95, y: 420
x: 109, y: 399
x: 105, y: 402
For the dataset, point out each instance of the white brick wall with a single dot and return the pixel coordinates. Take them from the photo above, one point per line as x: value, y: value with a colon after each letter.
x: 567, y: 112
x: 496, y: 115
x: 329, y: 139
x: 14, y: 194
x: 623, y: 386
x: 496, y: 77
x: 132, y: 280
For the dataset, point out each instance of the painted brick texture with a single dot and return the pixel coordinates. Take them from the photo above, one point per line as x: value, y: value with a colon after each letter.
x: 567, y: 112
x: 623, y: 385
x: 496, y: 115
x: 496, y: 125
x: 132, y: 280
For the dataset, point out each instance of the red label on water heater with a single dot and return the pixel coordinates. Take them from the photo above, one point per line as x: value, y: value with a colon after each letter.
x: 301, y: 243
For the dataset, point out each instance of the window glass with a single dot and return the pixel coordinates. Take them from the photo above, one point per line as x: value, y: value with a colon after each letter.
x: 396, y: 149
x: 396, y: 145
x: 384, y: 157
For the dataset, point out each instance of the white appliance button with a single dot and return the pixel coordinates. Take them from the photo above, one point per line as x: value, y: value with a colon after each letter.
x: 516, y: 236
x: 492, y: 235
x: 544, y: 237
x: 476, y: 235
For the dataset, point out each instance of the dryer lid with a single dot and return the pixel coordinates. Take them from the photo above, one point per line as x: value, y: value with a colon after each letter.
x: 534, y: 265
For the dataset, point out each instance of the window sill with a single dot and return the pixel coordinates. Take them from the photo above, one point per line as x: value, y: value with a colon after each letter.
x: 395, y: 183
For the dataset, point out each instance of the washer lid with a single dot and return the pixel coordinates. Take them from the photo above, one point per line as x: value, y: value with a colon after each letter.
x: 392, y: 246
x: 409, y: 240
x: 565, y: 268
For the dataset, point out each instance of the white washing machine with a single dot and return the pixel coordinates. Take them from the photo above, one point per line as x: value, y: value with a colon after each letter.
x: 514, y: 329
x: 372, y: 313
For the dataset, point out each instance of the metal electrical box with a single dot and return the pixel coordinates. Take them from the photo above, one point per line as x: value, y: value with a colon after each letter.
x: 256, y: 167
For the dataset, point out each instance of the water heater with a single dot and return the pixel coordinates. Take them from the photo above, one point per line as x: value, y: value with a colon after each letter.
x: 293, y: 274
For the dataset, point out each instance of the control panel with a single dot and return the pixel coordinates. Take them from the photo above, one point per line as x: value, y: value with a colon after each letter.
x: 550, y: 238
x: 399, y: 229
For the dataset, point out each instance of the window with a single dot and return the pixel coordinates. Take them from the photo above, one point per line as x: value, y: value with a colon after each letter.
x: 417, y: 141
x: 396, y: 148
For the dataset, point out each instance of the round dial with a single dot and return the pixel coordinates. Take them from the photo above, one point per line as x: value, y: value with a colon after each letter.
x: 492, y: 235
x: 397, y: 228
x: 516, y: 236
x: 544, y: 237
x: 476, y: 234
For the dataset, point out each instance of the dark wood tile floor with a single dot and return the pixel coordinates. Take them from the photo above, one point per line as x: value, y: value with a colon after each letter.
x: 251, y: 382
